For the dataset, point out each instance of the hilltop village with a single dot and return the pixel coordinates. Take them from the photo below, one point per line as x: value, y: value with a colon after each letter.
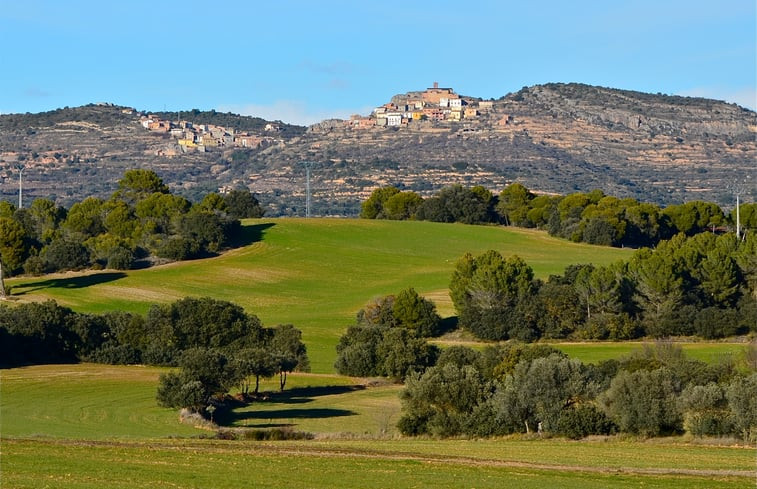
x: 433, y: 104
x: 199, y: 137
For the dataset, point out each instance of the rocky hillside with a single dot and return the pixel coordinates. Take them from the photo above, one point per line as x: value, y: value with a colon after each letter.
x: 553, y: 138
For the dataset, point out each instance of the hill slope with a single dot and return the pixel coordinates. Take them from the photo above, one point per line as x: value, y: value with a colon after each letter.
x: 316, y: 273
x: 553, y: 138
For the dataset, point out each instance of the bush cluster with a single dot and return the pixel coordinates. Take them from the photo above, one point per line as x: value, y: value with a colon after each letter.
x: 388, y: 339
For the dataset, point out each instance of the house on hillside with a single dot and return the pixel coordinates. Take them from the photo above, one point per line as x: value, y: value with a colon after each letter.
x: 393, y: 119
x: 470, y: 113
x: 434, y: 113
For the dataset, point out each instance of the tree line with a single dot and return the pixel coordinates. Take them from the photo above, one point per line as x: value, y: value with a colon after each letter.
x: 591, y: 217
x: 215, y: 344
x: 704, y: 285
x: 521, y: 388
x: 141, y: 219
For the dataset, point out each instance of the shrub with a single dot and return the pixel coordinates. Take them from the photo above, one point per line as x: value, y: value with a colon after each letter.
x: 34, y: 265
x: 277, y: 434
x: 742, y: 401
x: 120, y: 259
x: 178, y: 248
x: 643, y: 402
x: 66, y: 255
x: 583, y: 420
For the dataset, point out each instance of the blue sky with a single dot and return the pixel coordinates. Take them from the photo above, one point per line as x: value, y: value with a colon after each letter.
x: 303, y: 61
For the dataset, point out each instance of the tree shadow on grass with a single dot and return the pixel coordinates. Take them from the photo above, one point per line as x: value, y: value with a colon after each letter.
x: 301, y: 395
x: 251, y: 233
x: 79, y: 282
x: 293, y: 413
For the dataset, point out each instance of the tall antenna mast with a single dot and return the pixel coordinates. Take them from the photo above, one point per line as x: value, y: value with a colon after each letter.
x: 20, y: 186
x: 308, y: 167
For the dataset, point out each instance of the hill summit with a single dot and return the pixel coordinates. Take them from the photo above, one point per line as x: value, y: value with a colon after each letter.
x: 553, y: 138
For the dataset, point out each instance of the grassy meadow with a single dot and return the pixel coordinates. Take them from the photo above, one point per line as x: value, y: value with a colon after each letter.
x: 378, y: 464
x: 93, y: 426
x: 315, y: 273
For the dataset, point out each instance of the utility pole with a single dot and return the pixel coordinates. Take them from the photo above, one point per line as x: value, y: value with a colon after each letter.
x: 308, y: 167
x: 20, y: 186
x: 739, y: 188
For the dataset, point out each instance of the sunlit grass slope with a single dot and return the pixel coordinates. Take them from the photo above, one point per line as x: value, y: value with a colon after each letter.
x: 317, y: 273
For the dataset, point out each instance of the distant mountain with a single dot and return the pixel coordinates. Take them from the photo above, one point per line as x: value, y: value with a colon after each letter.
x: 556, y: 138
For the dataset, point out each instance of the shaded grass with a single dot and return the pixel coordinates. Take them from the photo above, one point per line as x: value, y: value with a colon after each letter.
x: 316, y: 273
x: 357, y: 410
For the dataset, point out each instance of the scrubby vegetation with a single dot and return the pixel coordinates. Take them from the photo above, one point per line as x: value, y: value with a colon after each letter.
x: 516, y: 387
x: 389, y: 337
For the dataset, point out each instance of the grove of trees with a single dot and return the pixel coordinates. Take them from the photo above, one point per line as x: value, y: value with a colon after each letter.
x: 141, y: 219
x: 704, y: 285
x: 389, y: 338
x: 591, y: 217
x: 518, y: 388
x: 701, y: 285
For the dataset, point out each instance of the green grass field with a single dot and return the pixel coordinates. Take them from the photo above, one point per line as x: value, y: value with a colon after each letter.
x: 316, y: 273
x: 332, y: 465
x: 90, y: 426
x: 94, y: 426
x: 706, y: 351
